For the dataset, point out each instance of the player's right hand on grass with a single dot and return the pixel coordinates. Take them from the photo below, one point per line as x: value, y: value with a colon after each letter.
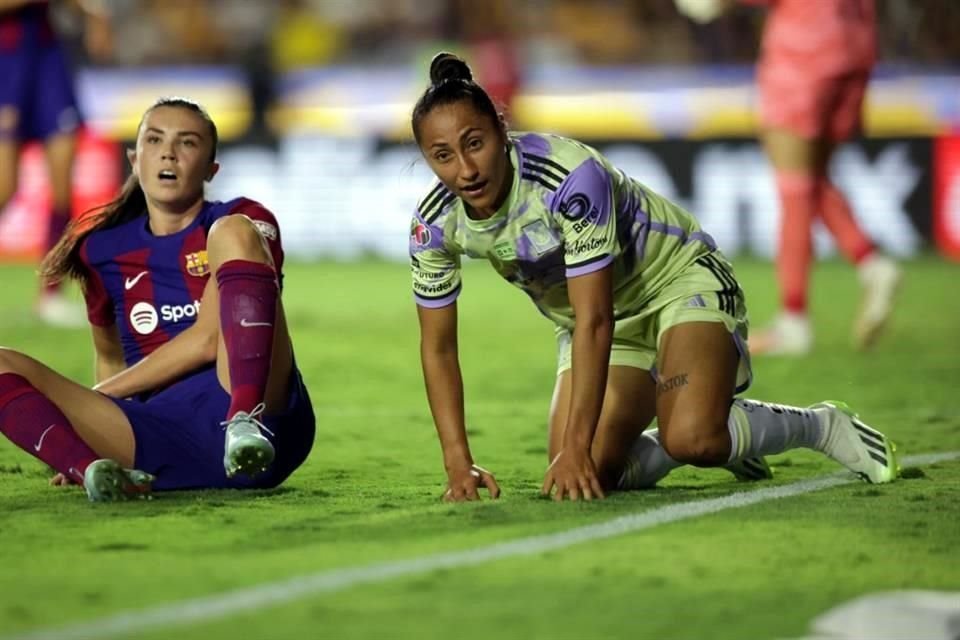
x: 464, y: 484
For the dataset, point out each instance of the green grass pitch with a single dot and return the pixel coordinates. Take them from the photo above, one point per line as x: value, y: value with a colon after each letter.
x: 369, y: 493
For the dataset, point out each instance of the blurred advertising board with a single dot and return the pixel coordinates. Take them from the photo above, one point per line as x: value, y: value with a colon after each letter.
x: 605, y: 102
x: 342, y: 175
x: 349, y: 197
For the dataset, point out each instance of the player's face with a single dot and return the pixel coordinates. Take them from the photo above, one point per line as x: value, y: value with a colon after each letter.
x: 172, y: 158
x: 466, y: 150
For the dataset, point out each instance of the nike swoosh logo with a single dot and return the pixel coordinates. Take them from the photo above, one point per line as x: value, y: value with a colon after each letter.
x: 246, y: 323
x: 43, y: 435
x: 130, y: 283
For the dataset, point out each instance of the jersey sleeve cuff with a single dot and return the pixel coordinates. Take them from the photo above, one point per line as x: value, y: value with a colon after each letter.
x: 436, y: 303
x: 588, y: 266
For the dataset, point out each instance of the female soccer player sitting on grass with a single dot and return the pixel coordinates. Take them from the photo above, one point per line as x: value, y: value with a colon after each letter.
x: 650, y: 320
x: 196, y: 379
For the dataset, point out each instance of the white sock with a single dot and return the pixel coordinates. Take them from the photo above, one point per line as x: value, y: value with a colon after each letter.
x: 763, y: 428
x: 647, y: 463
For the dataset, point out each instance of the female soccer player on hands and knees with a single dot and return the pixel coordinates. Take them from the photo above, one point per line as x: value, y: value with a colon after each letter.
x: 649, y: 318
x: 179, y: 354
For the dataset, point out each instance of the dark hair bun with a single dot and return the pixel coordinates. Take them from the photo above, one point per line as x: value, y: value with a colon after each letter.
x: 446, y: 66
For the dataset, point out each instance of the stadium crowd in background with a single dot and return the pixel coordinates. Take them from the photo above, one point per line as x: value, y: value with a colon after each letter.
x: 633, y: 32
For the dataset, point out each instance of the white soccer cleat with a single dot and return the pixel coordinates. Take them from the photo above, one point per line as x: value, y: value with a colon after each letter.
x: 880, y: 278
x: 790, y: 334
x: 246, y: 449
x: 106, y: 481
x: 858, y: 447
x: 56, y: 310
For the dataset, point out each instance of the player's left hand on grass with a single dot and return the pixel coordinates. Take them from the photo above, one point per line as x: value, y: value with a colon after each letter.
x: 573, y: 474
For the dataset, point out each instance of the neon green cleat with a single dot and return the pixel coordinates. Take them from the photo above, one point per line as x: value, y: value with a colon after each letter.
x: 858, y: 447
x: 750, y: 469
x: 106, y: 481
x: 247, y: 450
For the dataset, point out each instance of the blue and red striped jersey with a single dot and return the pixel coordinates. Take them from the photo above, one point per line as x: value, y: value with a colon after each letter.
x: 151, y: 286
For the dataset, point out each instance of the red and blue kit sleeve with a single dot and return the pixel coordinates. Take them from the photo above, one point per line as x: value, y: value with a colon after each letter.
x: 99, y: 305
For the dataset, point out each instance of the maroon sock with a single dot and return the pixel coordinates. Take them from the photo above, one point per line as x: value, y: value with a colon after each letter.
x: 248, y: 310
x: 33, y: 423
x: 58, y: 224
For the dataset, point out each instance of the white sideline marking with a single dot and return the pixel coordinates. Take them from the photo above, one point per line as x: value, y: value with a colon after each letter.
x: 275, y: 593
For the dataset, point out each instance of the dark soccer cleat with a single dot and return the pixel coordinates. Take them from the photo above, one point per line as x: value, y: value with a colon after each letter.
x: 750, y: 469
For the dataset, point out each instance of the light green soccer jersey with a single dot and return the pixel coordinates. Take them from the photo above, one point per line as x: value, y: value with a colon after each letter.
x: 569, y: 213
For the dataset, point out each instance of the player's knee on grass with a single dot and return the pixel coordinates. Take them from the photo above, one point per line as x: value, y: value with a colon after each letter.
x: 236, y: 237
x: 697, y: 438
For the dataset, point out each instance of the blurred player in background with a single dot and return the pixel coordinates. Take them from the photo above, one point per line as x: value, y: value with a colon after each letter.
x: 492, y: 45
x: 37, y: 102
x: 815, y: 63
x: 179, y: 354
x: 649, y: 318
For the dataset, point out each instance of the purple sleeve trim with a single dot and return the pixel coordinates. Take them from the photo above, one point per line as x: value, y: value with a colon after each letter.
x: 595, y: 265
x: 436, y: 303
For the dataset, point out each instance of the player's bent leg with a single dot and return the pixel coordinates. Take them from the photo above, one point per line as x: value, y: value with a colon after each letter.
x: 629, y: 405
x: 68, y: 427
x: 255, y: 350
x: 625, y: 457
x: 697, y: 370
x: 94, y: 417
x: 235, y: 238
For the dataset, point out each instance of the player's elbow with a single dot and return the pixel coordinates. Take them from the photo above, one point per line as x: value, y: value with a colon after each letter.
x: 598, y: 323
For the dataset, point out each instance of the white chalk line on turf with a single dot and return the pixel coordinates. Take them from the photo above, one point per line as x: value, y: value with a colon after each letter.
x: 250, y: 599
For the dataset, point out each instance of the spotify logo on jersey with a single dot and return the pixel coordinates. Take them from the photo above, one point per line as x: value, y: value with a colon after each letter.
x: 143, y: 318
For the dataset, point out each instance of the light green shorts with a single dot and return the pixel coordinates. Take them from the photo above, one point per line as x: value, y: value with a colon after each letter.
x: 706, y: 291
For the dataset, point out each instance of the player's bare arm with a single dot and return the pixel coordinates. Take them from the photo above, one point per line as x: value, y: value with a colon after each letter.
x: 189, y: 350
x: 108, y: 352
x: 573, y: 472
x: 441, y: 373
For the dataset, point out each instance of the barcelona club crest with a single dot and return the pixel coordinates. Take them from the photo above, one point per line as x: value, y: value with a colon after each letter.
x: 197, y: 263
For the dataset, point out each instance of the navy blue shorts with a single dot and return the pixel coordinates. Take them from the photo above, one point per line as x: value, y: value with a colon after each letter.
x: 37, y: 84
x: 180, y: 440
